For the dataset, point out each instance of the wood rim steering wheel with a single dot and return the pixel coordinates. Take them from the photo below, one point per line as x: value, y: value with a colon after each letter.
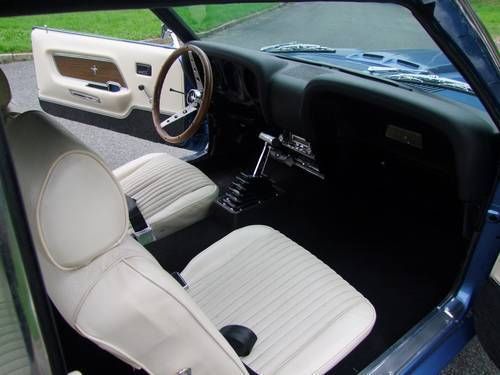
x: 198, y: 99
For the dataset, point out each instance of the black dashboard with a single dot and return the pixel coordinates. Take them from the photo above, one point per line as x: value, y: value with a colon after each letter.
x: 235, y: 82
x: 325, y: 106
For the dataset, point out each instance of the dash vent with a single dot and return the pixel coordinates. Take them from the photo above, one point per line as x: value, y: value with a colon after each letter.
x: 409, y: 64
x: 373, y: 56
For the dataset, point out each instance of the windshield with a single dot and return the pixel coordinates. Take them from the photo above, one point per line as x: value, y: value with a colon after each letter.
x: 332, y: 24
x: 383, y: 40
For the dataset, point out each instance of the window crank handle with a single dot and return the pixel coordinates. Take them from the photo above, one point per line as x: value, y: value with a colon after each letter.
x: 143, y: 89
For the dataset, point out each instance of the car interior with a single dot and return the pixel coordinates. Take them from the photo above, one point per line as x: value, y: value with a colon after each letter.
x: 327, y: 216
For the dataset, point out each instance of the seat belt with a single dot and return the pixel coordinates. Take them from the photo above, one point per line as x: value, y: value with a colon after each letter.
x: 178, y: 277
x: 142, y: 231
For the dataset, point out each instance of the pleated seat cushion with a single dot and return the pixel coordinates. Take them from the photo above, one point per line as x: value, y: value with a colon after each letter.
x: 306, y: 317
x: 170, y: 193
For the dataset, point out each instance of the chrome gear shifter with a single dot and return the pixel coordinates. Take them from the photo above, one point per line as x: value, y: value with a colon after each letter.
x: 247, y: 189
x: 269, y: 141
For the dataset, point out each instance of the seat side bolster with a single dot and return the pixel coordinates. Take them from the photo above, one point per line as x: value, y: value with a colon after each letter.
x: 130, y: 167
x: 148, y: 320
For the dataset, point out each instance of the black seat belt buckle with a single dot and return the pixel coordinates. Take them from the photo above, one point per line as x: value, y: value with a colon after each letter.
x: 142, y: 231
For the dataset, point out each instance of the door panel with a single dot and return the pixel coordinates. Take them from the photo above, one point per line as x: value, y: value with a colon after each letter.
x: 102, y: 75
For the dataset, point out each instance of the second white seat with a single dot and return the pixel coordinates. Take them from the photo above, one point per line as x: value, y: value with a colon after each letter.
x: 170, y: 193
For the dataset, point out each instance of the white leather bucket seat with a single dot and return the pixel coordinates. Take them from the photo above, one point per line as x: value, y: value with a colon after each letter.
x: 112, y: 291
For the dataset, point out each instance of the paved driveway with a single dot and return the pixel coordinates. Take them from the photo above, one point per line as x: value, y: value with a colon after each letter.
x: 337, y: 25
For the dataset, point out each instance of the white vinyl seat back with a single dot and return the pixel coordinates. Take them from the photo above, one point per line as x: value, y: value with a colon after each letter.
x: 106, y: 285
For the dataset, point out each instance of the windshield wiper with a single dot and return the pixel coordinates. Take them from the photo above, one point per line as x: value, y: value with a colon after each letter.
x: 431, y: 80
x: 389, y: 69
x: 297, y: 47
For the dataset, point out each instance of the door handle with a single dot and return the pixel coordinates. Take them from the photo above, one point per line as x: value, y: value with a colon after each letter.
x: 109, y: 86
x: 85, y: 96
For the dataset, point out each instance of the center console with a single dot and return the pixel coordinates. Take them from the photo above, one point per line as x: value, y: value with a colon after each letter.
x: 251, y: 189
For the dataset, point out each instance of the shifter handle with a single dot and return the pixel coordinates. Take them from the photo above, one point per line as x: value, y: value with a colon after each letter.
x: 269, y: 139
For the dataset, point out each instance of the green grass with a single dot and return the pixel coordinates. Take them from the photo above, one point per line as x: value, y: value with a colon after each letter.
x: 205, y: 17
x: 489, y: 12
x: 130, y: 24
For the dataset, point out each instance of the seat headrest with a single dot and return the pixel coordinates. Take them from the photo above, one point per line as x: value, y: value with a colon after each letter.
x: 75, y: 207
x: 5, y: 94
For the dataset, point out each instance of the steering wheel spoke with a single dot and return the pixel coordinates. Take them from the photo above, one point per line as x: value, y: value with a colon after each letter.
x: 197, y: 78
x: 177, y: 116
